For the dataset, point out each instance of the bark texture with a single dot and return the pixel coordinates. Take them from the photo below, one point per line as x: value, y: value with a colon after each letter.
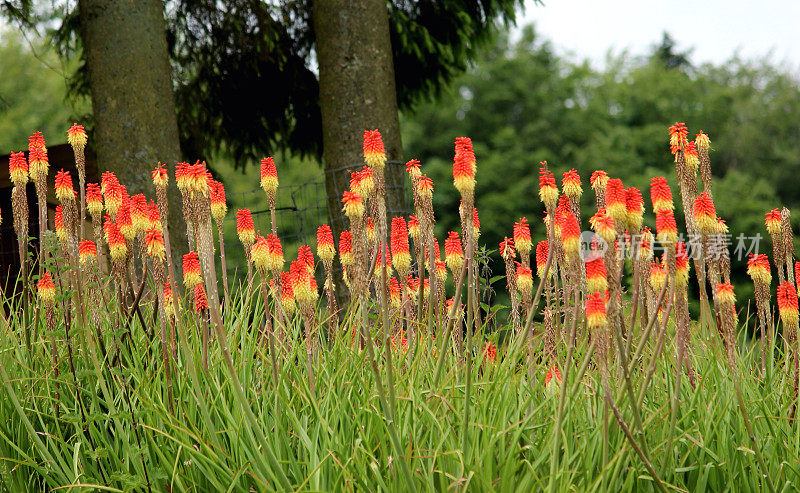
x: 132, y: 95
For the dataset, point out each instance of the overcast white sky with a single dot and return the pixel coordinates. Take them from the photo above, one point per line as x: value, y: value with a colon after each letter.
x: 715, y: 29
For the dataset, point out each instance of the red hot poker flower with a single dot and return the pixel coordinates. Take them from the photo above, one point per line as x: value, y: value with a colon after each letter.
x: 425, y: 187
x: 399, y: 245
x: 681, y: 263
x: 552, y: 380
x: 140, y: 213
x: 346, y: 248
x: 353, y: 205
x: 705, y: 214
x: 603, y: 225
x: 615, y: 201
x: 269, y: 176
x: 374, y: 152
x: 64, y: 190
x: 305, y: 256
x: 117, y: 245
x: 522, y: 236
x: 160, y: 177
x: 46, y: 289
x: 490, y: 351
x: 276, y: 259
x: 571, y: 184
x: 245, y: 227
x: 507, y: 249
x: 453, y: 253
x: 87, y: 251
x: 666, y: 228
x: 701, y: 141
x: 413, y: 227
x: 218, y: 206
x: 259, y: 252
x: 191, y: 270
x: 412, y: 168
x: 677, y: 136
x: 571, y: 236
x: 660, y: 194
x: 596, y: 311
x: 542, y: 249
x: 759, y: 270
x: 548, y: 191
x: 692, y: 159
x: 773, y: 222
x: 155, y: 244
x: 183, y: 178
x: 76, y: 136
x: 787, y: 304
x: 524, y: 280
x: 18, y: 168
x: 38, y: 164
x: 725, y: 293
x: 200, y: 298
x: 325, y: 247
x: 58, y: 219
x: 94, y: 200
x: 464, y: 166
x: 634, y: 206
x: 596, y: 279
x: 658, y: 276
x: 598, y: 180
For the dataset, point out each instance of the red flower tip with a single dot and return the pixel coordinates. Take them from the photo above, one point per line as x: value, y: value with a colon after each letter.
x: 200, y: 298
x: 245, y: 227
x: 705, y: 214
x: 660, y: 194
x: 507, y: 249
x: 46, y: 289
x: 725, y: 293
x: 542, y: 250
x: 425, y: 187
x: 571, y: 183
x: 677, y: 136
x: 18, y: 168
x: 548, y: 191
x: 191, y: 270
x: 325, y: 247
x: 269, y: 175
x: 154, y: 241
x: 160, y: 177
x: 76, y: 136
x: 522, y: 236
x: 453, y: 252
x: 490, y: 351
x: 596, y: 311
x: 666, y: 228
x: 787, y: 304
x: 63, y: 184
x: 353, y: 205
x: 598, y: 180
x: 412, y: 168
x: 374, y: 152
x: 413, y: 227
x: 464, y: 166
x: 773, y: 221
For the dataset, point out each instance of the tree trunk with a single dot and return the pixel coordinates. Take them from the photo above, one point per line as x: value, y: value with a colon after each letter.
x: 357, y: 93
x: 132, y: 98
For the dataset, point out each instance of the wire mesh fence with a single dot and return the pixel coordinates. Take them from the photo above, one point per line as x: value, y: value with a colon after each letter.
x: 299, y: 210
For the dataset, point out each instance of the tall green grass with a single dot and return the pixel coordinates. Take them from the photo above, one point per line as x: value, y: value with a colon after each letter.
x: 336, y: 438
